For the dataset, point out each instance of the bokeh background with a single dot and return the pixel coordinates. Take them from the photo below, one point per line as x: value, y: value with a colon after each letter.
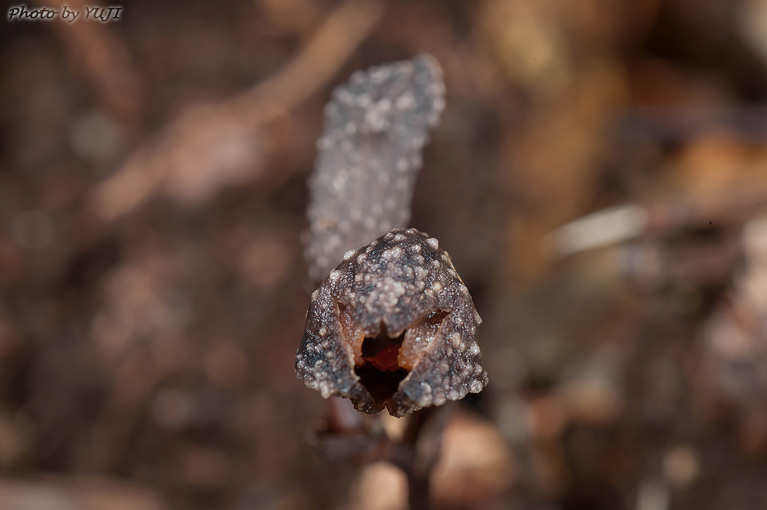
x: 152, y: 198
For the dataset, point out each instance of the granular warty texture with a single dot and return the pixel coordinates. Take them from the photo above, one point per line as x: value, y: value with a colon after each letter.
x: 368, y: 156
x: 393, y: 326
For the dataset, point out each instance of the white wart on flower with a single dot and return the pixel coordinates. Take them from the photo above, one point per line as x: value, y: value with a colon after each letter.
x: 393, y: 326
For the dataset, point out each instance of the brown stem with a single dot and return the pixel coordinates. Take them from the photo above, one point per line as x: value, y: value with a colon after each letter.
x: 420, y: 450
x: 415, y: 454
x: 418, y: 492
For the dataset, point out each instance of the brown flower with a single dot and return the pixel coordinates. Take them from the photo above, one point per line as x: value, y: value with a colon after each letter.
x: 393, y: 326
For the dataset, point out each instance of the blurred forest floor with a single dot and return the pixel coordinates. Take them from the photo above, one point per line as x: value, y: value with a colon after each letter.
x: 153, y: 194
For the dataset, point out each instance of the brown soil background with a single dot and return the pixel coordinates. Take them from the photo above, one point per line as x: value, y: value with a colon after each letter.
x: 152, y: 287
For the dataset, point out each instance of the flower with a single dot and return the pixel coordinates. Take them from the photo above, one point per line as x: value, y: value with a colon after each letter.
x: 393, y: 326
